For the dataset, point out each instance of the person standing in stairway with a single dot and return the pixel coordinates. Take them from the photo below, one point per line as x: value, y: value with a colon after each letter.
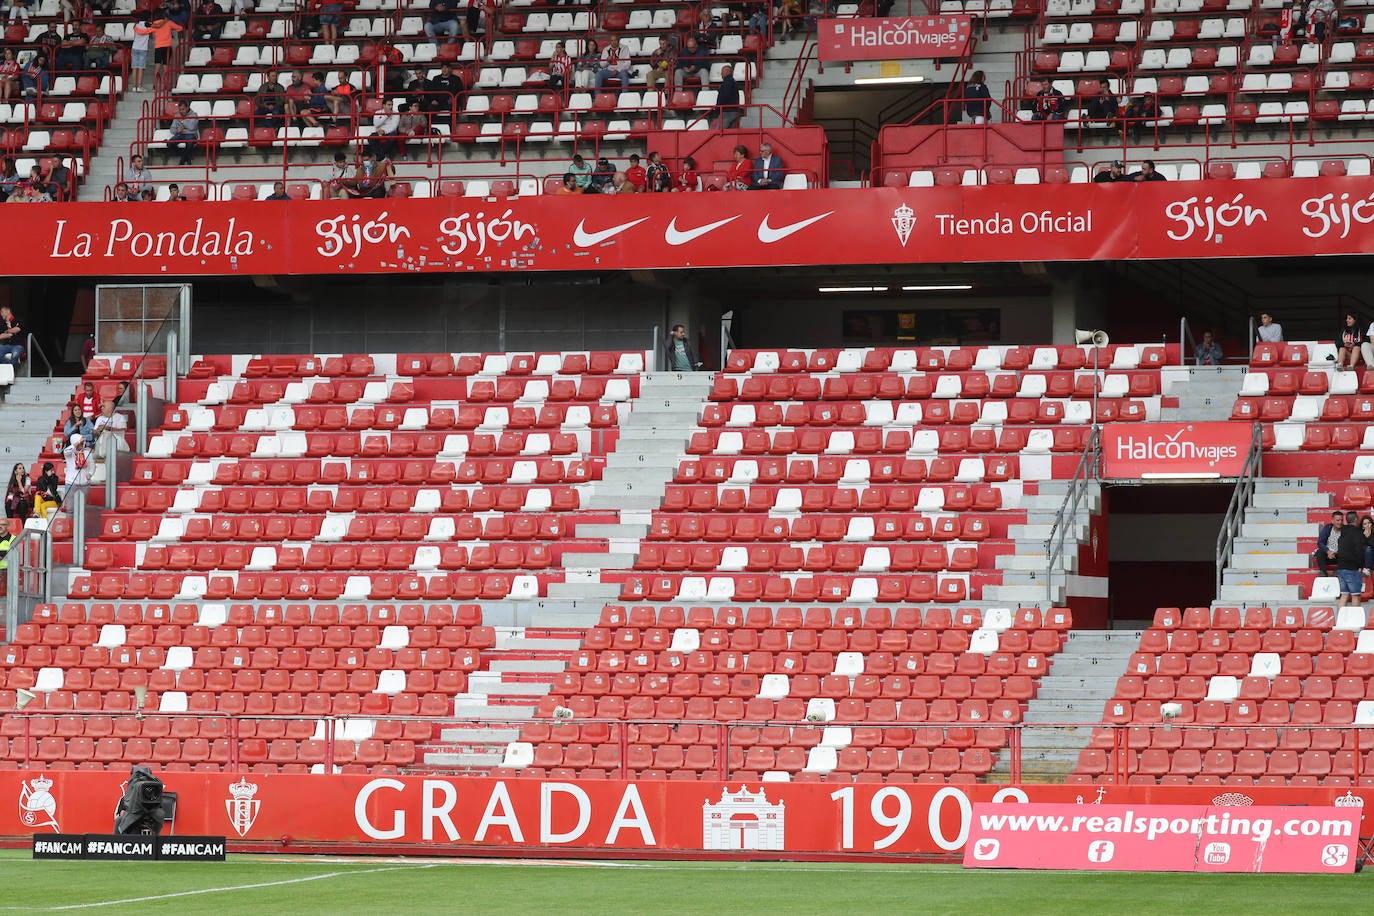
x: 1350, y: 560
x: 161, y: 30
x: 679, y: 353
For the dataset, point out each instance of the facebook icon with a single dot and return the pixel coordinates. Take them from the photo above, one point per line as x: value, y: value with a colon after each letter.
x: 1101, y: 851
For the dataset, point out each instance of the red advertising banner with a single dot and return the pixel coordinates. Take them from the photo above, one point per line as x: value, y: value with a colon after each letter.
x: 1136, y: 450
x: 892, y: 38
x: 1260, y: 839
x: 782, y: 228
x: 471, y: 814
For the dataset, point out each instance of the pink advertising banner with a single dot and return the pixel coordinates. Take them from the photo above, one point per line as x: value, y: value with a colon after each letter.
x: 1313, y: 839
x: 894, y: 38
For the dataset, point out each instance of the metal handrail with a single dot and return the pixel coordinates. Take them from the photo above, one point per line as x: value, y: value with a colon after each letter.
x: 1085, y: 473
x: 1240, y: 500
x: 1185, y: 339
x: 32, y: 347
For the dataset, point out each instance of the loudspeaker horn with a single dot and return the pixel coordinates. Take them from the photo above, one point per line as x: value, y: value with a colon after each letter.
x: 1096, y: 338
x: 140, y: 700
x: 23, y: 698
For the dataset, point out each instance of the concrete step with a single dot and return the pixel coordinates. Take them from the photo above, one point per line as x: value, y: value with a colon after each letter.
x: 486, y: 684
x: 598, y: 560
x: 1237, y: 594
x: 463, y: 759
x: 1287, y: 485
x: 613, y: 532
x: 478, y: 734
x: 530, y: 665
x: 1290, y: 500
x: 1256, y: 561
x: 1277, y: 531
x: 1233, y: 576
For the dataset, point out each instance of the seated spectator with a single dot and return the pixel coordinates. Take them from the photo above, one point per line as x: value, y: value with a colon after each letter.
x: 443, y: 21
x: 1147, y: 172
x: 101, y: 49
x: 443, y: 90
x: 71, y: 54
x: 657, y: 174
x: 317, y: 102
x: 62, y: 179
x: 76, y: 422
x: 297, y: 95
x: 560, y: 69
x: 636, y: 173
x: 11, y: 337
x: 174, y: 193
x: 693, y: 62
x: 768, y: 170
x: 581, y: 171
x: 121, y: 194
x: 10, y: 86
x: 1268, y: 331
x: 35, y: 75
x: 615, y: 65
x: 602, y: 176
x: 387, y: 122
x: 1050, y: 105
x: 1103, y: 106
x: 413, y: 123
x: 340, y: 98
x: 788, y: 19
x: 587, y: 65
x: 1348, y: 349
x: 19, y: 9
x: 687, y: 178
x: 43, y: 186
x: 661, y: 65
x: 185, y: 134
x: 570, y: 185
x: 109, y: 429
x: 472, y: 20
x: 138, y: 174
x: 147, y: 195
x: 269, y: 104
x: 741, y: 172
x: 47, y: 490
x: 1208, y: 352
x: 9, y: 179
x: 1328, y: 536
x: 621, y: 185
x: 210, y: 21
x: 373, y: 177
x: 1140, y: 111
x: 278, y: 191
x: 1111, y: 174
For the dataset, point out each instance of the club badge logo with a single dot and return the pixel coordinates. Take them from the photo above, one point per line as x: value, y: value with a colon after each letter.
x: 37, y: 806
x: 903, y: 220
x: 241, y: 806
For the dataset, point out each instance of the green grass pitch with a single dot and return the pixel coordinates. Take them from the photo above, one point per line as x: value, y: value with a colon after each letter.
x: 307, y: 885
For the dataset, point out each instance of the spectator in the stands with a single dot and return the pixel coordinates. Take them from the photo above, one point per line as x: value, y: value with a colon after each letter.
x: 185, y: 134
x: 10, y: 86
x: 1350, y: 560
x: 1268, y: 331
x: 602, y: 176
x: 316, y: 104
x: 687, y: 178
x: 768, y: 170
x: 1103, y: 106
x: 1050, y: 105
x: 18, y: 498
x: 587, y: 64
x: 1348, y: 340
x: 19, y: 9
x: 147, y: 195
x: 342, y: 173
x: 443, y: 90
x: 43, y: 185
x: 413, y: 123
x: 472, y: 20
x: 1147, y: 172
x: 71, y: 54
x: 657, y: 173
x: 76, y: 422
x: 694, y: 62
x: 269, y: 104
x: 138, y: 174
x: 331, y: 13
x: 340, y: 98
x: 278, y: 191
x: 621, y: 185
x: 636, y: 174
x: 615, y: 65
x: 1111, y: 174
x: 1140, y: 113
x: 210, y: 20
x: 661, y: 65
x: 1367, y: 347
x: 977, y: 97
x: 1321, y: 15
x: 138, y: 54
x: 121, y: 194
x: 570, y: 185
x: 679, y: 353
x: 1328, y: 537
x: 443, y: 21
x: 62, y: 178
x: 178, y: 12
x: 174, y: 193
x: 741, y: 172
x: 373, y: 178
x: 49, y: 40
x: 297, y: 95
x: 161, y: 31
x: 788, y: 19
x: 727, y: 100
x: 36, y: 77
x: 11, y: 336
x: 26, y: 193
x: 1208, y: 352
x: 9, y: 179
x: 101, y: 49
x: 581, y: 171
x: 109, y: 429
x: 560, y: 69
x: 386, y: 122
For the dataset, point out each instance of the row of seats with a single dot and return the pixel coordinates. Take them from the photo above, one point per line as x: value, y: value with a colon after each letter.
x: 288, y: 367
x: 115, y: 754
x: 249, y: 586
x: 946, y: 359
x: 917, y: 588
x: 899, y: 440
x: 180, y: 444
x: 735, y: 620
x: 242, y: 615
x: 154, y: 726
x: 338, y: 503
x: 923, y: 386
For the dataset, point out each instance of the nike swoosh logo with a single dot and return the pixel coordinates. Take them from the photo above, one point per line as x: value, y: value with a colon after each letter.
x: 768, y: 235
x: 673, y: 236
x: 584, y: 239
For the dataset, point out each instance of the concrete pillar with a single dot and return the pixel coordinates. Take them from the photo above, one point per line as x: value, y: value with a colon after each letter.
x: 1077, y: 300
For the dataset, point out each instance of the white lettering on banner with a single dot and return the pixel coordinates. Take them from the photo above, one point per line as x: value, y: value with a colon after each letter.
x: 905, y: 32
x: 398, y: 821
x: 344, y: 237
x: 1045, y: 222
x: 639, y: 822
x: 584, y: 812
x: 500, y: 796
x: 432, y: 812
x: 125, y: 241
x: 1171, y: 448
x: 1206, y: 218
x: 1328, y: 214
x: 900, y: 819
x: 465, y: 230
x: 58, y: 847
x: 193, y: 849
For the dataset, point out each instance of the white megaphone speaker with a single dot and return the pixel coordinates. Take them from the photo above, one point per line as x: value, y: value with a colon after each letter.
x: 140, y: 700
x: 1096, y: 338
x: 23, y: 698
